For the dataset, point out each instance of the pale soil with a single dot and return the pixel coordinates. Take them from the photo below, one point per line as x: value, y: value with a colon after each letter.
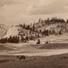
x: 34, y: 50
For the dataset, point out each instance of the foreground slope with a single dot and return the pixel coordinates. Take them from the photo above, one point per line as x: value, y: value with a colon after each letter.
x: 60, y: 61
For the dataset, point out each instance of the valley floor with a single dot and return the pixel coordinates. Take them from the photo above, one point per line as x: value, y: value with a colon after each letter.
x: 37, y: 56
x: 34, y: 50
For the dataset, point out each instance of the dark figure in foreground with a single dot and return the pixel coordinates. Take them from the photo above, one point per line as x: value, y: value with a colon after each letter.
x: 38, y: 42
x: 21, y: 57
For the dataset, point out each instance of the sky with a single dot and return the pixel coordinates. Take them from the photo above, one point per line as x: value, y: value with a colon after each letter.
x: 28, y: 11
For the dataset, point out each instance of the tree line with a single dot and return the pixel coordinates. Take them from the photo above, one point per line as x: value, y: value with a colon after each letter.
x: 11, y: 39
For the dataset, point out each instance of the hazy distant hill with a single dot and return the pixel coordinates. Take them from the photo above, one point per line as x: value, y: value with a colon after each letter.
x: 3, y: 30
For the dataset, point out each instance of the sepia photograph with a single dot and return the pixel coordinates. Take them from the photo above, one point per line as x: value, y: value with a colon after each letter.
x: 33, y: 33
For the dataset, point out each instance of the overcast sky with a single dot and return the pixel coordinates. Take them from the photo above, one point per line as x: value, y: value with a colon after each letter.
x: 27, y: 11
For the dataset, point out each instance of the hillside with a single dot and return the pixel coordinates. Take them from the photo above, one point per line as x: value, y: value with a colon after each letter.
x: 54, y: 26
x: 3, y: 30
x: 39, y: 30
x: 15, y: 30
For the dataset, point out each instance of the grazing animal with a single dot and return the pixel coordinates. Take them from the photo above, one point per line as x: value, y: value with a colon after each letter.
x: 38, y: 42
x: 21, y: 57
x: 47, y: 42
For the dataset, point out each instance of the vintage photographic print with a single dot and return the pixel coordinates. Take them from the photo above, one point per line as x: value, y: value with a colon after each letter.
x: 33, y: 33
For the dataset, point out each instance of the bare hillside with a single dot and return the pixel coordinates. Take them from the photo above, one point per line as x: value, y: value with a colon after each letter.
x: 3, y: 30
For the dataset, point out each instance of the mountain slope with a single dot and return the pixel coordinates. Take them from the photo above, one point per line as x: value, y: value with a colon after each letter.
x: 15, y: 31
x: 3, y: 30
